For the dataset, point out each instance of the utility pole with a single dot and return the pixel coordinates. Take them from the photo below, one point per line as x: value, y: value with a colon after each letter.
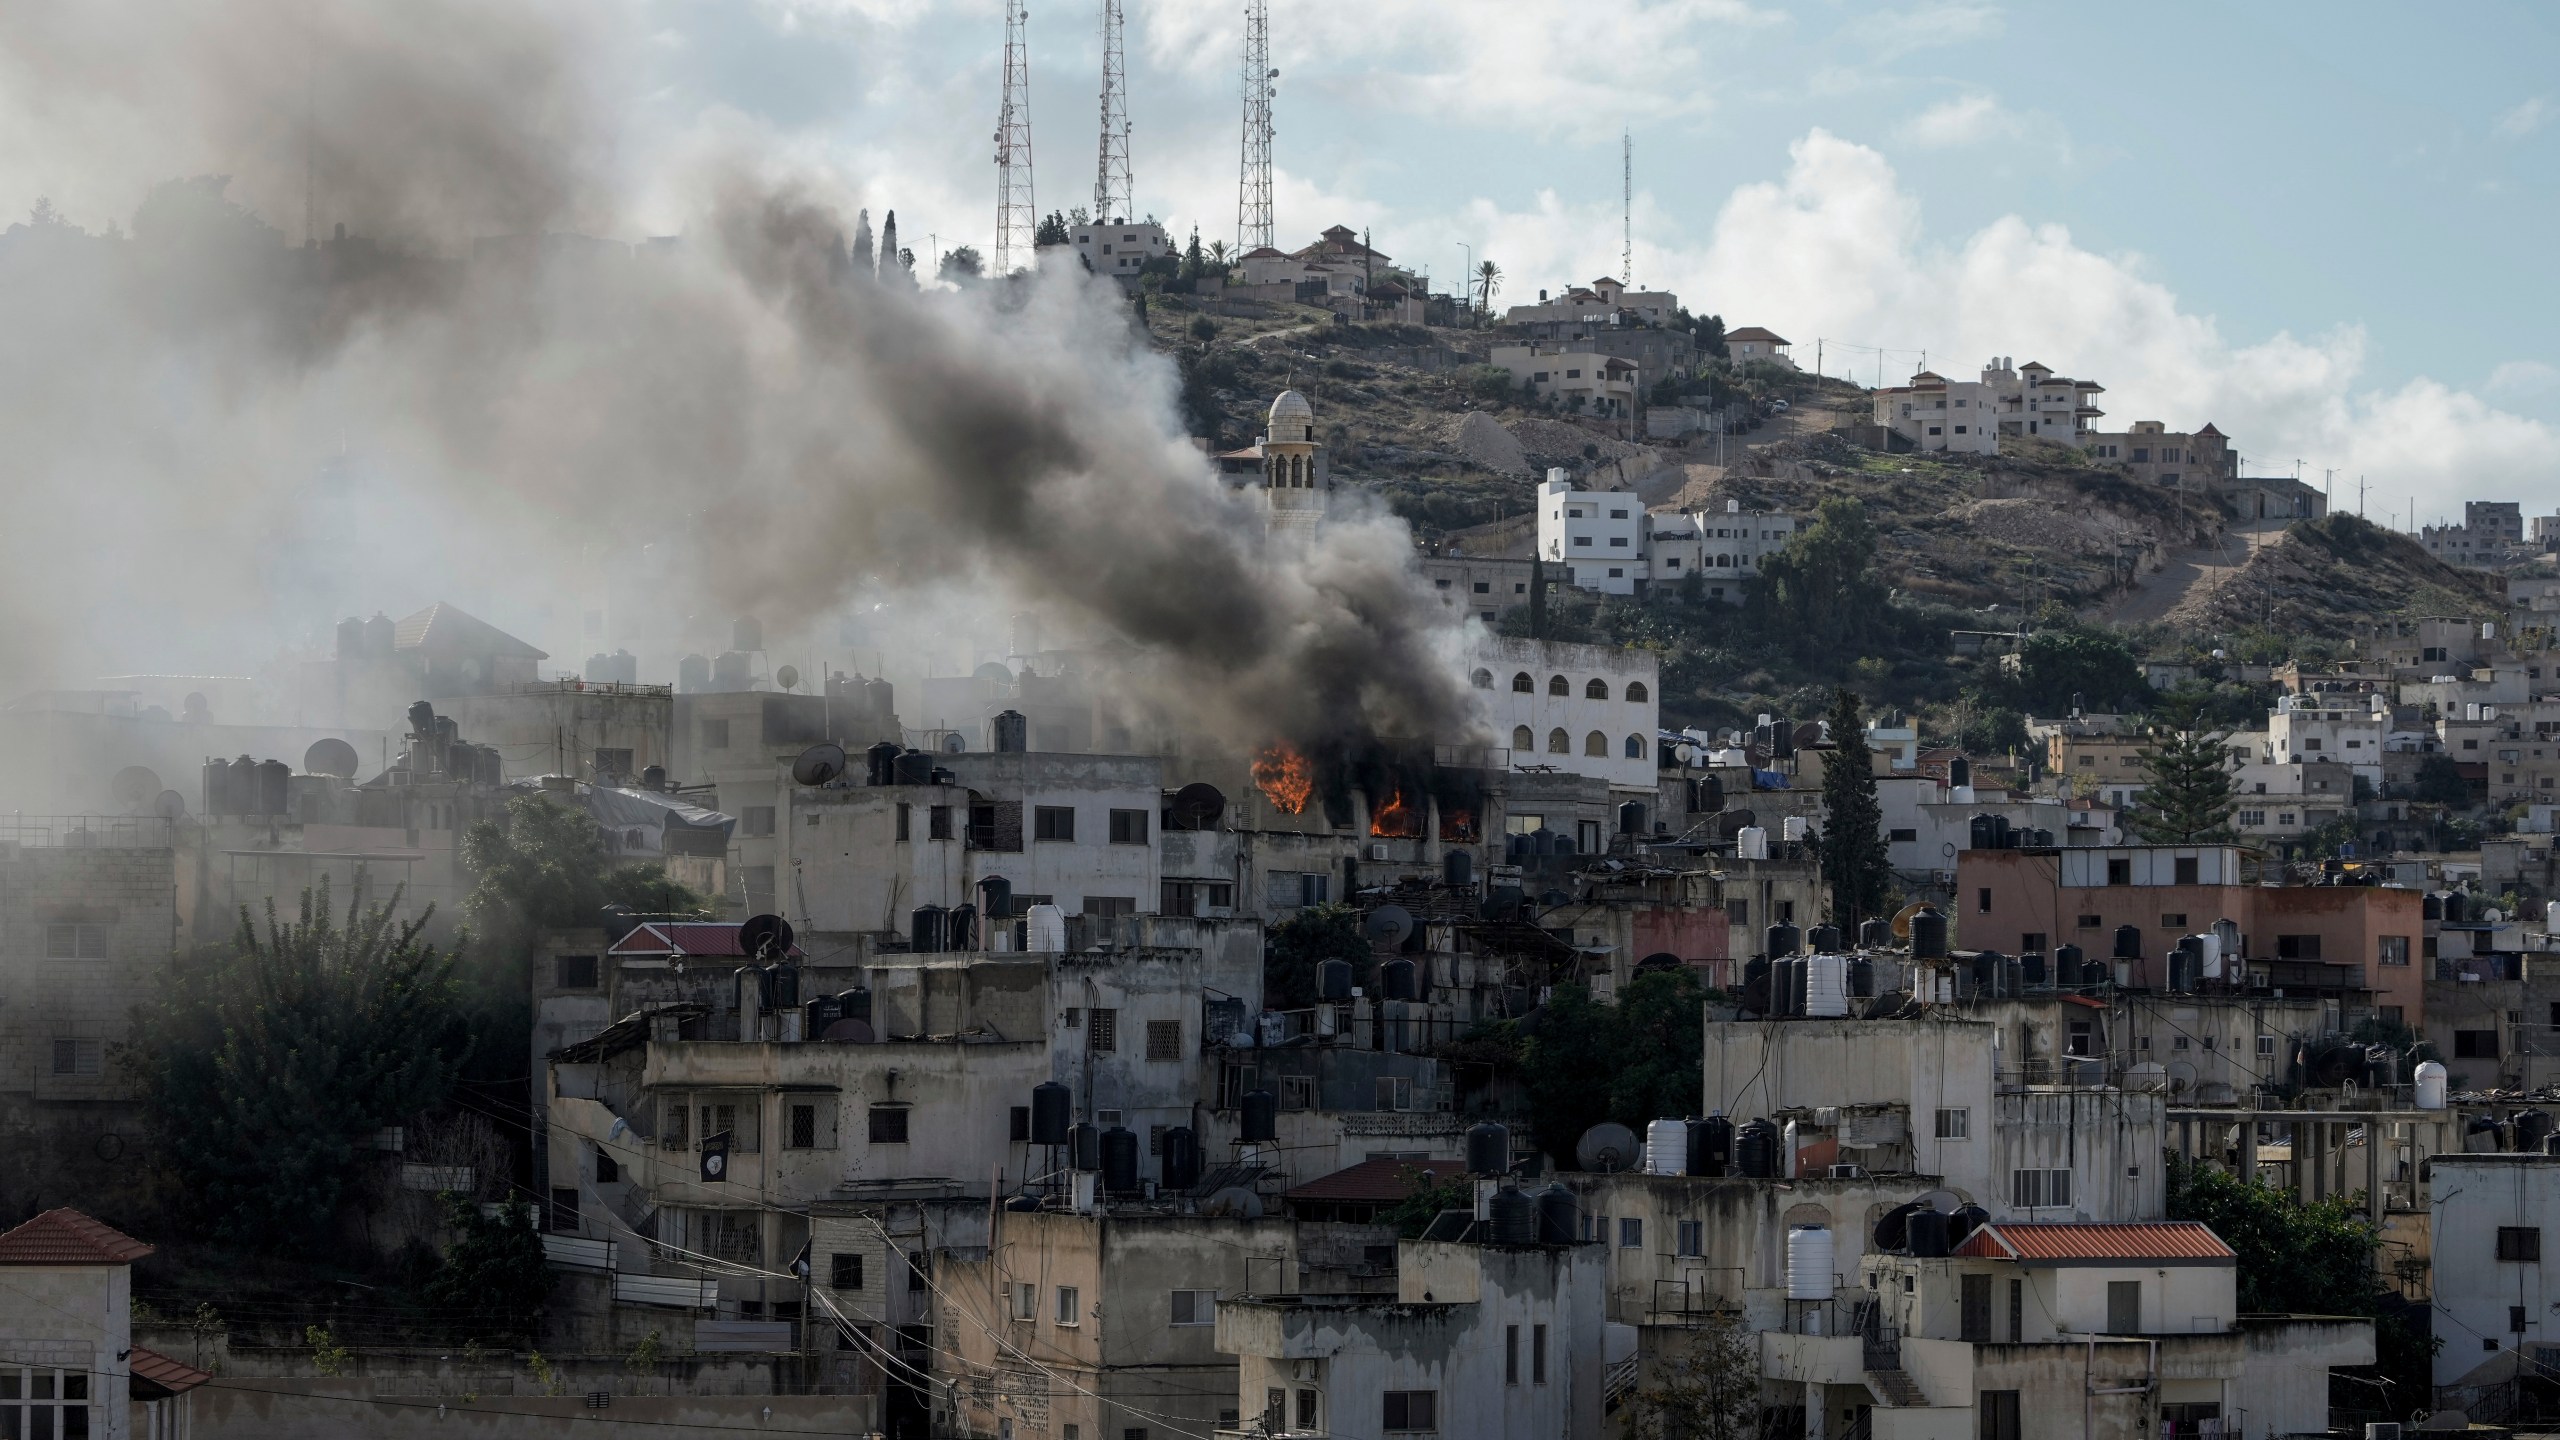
x: 1113, y: 188
x: 1627, y: 208
x: 2359, y: 497
x: 1253, y: 187
x: 1017, y: 218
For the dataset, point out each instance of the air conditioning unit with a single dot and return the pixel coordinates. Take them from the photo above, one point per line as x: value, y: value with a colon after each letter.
x: 1848, y: 1172
x: 1377, y: 850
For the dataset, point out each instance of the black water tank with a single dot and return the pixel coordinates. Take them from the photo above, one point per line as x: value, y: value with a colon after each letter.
x: 1990, y: 976
x: 1120, y: 1161
x: 2070, y: 964
x: 880, y: 763
x: 1927, y: 1233
x: 960, y: 928
x: 1458, y: 869
x: 1875, y: 935
x: 1862, y: 978
x: 693, y: 674
x: 653, y: 777
x: 1959, y: 771
x: 928, y: 928
x: 1928, y: 935
x: 856, y: 1004
x: 1631, y: 818
x: 275, y: 779
x: 1801, y: 977
x: 995, y: 897
x: 1399, y: 979
x: 782, y: 987
x: 1515, y: 1217
x: 2431, y: 908
x: 1782, y: 985
x: 911, y: 767
x: 1333, y: 980
x: 1261, y: 1118
x: 1967, y: 1219
x: 1052, y: 1113
x: 1559, y: 1216
x: 1784, y: 939
x: 2532, y: 1128
x: 1823, y: 939
x: 1978, y: 833
x: 2457, y: 907
x: 1013, y: 732
x: 1893, y: 1229
x: 2182, y: 968
x: 2128, y: 942
x: 1488, y: 1148
x: 1084, y: 1146
x: 1181, y: 1158
x: 217, y: 788
x: 1710, y: 1145
x: 2031, y: 968
x: 819, y: 1014
x: 1755, y: 1150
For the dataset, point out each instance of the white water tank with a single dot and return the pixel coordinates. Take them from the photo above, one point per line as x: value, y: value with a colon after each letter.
x: 1809, y: 1262
x: 2208, y: 954
x: 1751, y: 842
x: 1044, y: 930
x: 1666, y: 1147
x: 1794, y: 827
x: 1826, y: 986
x: 2430, y: 1078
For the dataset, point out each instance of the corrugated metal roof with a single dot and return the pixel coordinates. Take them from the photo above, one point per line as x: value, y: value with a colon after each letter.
x: 1382, y: 1182
x: 67, y: 1237
x: 2183, y: 1242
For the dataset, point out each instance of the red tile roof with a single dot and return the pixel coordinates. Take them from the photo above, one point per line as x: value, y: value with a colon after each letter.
x: 175, y: 1376
x: 1382, y: 1182
x: 689, y: 938
x: 67, y: 1237
x: 1754, y: 332
x: 2173, y: 1242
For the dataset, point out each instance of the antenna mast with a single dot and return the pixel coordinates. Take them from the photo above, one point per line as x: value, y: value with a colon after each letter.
x: 1112, y: 186
x: 1627, y: 208
x: 1017, y: 218
x: 1253, y: 191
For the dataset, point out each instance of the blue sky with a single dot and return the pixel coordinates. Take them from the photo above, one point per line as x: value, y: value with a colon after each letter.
x: 2324, y: 227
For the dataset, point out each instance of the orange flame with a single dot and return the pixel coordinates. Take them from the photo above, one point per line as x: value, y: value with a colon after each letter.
x: 1285, y: 779
x: 1396, y: 818
x: 1458, y: 825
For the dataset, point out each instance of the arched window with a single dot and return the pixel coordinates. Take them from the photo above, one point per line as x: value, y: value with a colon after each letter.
x: 1560, y: 687
x: 1636, y: 693
x: 1596, y: 690
x: 1596, y: 743
x: 1635, y: 747
x: 1521, y: 684
x: 1559, y: 743
x: 1483, y: 679
x: 1523, y: 738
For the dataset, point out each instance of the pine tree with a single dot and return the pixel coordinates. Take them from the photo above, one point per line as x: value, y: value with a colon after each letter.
x: 889, y: 246
x: 1854, y: 863
x: 2187, y: 797
x: 863, y: 260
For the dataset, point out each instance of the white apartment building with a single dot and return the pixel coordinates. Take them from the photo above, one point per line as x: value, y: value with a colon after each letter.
x: 1583, y: 381
x: 1598, y: 303
x: 1968, y: 417
x: 1119, y: 249
x: 1609, y: 543
x: 1588, y: 710
x: 2494, y: 1276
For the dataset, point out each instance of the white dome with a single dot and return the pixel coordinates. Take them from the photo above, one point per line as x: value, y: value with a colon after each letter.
x: 1292, y: 408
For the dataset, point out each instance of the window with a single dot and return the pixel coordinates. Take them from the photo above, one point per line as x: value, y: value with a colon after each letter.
x: 2124, y: 1307
x: 1195, y: 1307
x: 75, y: 942
x: 1559, y: 687
x: 1026, y: 1300
x: 40, y: 1419
x: 2475, y: 1044
x: 919, y: 1270
x: 2173, y: 919
x: 1484, y: 588
x: 1630, y: 1233
x: 1410, y: 1410
x: 906, y: 820
x: 2297, y: 947
x: 2393, y: 950
x: 1973, y: 1309
x: 1523, y: 738
x: 1558, y: 742
x: 2520, y: 1244
x: 1636, y: 693
x: 2253, y: 817
x: 1537, y: 1354
x: 2120, y: 872
x: 1102, y: 1031
x: 1164, y: 1039
x: 802, y: 1133
x: 2184, y: 868
x: 1521, y: 684
x: 888, y: 1124
x: 79, y: 1058
x: 608, y: 1169
x: 2266, y: 1046
x: 1902, y: 836
x: 1596, y: 690
x: 1068, y: 1309
x: 1053, y: 822
x: 2039, y: 1189
x: 1982, y: 901
x: 938, y: 822
x: 715, y: 734
x: 564, y: 1208
x: 1307, y: 1409
x: 1635, y: 747
x: 1128, y: 827
x: 574, y: 972
x: 2032, y: 940
x: 1955, y: 1124
x: 1998, y: 1410
x: 844, y: 1272
x: 1510, y: 1354
x: 757, y: 819
x: 1482, y: 679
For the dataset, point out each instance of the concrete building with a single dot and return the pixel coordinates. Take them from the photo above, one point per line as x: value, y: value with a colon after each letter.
x: 1580, y: 709
x: 1604, y: 302
x: 1968, y: 417
x: 1607, y: 542
x: 1581, y: 382
x: 1120, y: 248
x: 68, y: 1364
x: 1751, y: 344
x: 1479, y: 1339
x: 2491, y: 534
x: 2494, y: 1279
x: 2031, y: 400
x: 2048, y: 1331
x: 2155, y: 455
x: 1483, y: 586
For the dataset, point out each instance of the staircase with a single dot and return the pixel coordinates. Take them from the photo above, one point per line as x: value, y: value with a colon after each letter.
x: 1896, y: 1388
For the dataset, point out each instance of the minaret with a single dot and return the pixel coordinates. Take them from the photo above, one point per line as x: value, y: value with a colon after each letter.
x: 1295, y: 478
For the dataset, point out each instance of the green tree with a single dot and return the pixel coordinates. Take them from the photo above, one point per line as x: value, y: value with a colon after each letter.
x: 1424, y: 1200
x: 1488, y: 283
x: 2186, y: 795
x: 2440, y: 782
x: 266, y: 1065
x: 1707, y: 1389
x: 1821, y: 591
x: 1052, y: 231
x: 1854, y: 863
x: 1194, y: 260
x: 2054, y: 665
x: 494, y: 1279
x: 1637, y: 1061
x: 1297, y: 945
x: 961, y: 264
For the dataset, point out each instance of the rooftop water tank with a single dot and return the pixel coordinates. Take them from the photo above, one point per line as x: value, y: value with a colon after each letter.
x: 1666, y: 1147
x: 1260, y: 1119
x: 1809, y: 1262
x: 1514, y: 1216
x: 1488, y: 1148
x: 2430, y: 1079
x: 1559, y: 1216
x: 1052, y: 1111
x: 1928, y: 935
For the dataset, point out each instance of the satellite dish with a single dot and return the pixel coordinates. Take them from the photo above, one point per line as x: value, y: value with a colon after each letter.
x: 1902, y: 918
x: 170, y: 805
x: 849, y: 1032
x: 952, y: 744
x: 1659, y: 960
x: 1198, y: 805
x: 2182, y: 1076
x: 1234, y: 1201
x: 1945, y: 1202
x: 330, y: 757
x: 787, y: 677
x: 817, y: 765
x: 1731, y: 823
x: 764, y: 937
x: 1809, y: 735
x: 1606, y: 1148
x: 1388, y: 925
x: 134, y: 786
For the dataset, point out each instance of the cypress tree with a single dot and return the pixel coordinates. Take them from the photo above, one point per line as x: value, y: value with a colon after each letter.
x: 1854, y: 863
x: 863, y: 260
x: 888, y: 245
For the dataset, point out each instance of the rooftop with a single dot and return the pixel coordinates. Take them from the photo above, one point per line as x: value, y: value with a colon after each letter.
x: 1380, y: 1182
x: 67, y: 1237
x: 2166, y: 1242
x: 689, y: 938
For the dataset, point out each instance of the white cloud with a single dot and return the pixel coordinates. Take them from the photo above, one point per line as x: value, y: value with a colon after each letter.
x: 1965, y: 120
x: 1926, y: 26
x: 1835, y: 249
x: 2525, y: 378
x: 2522, y: 120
